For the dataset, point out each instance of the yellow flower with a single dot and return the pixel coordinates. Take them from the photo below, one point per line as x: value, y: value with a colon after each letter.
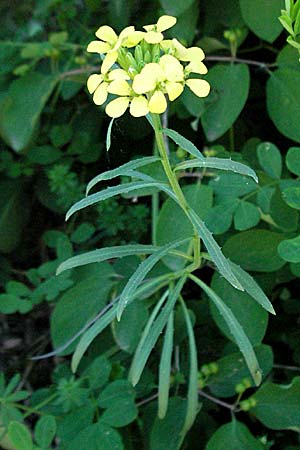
x: 193, y: 55
x: 154, y: 32
x: 98, y: 84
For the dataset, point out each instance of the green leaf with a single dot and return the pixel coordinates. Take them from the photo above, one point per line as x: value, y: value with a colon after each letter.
x: 283, y: 91
x: 292, y: 159
x: 219, y: 218
x: 232, y: 369
x: 44, y: 154
x: 79, y: 304
x: 83, y: 233
x: 225, y: 107
x: 152, y: 333
x: 20, y: 436
x: 192, y: 407
x: 22, y: 106
x: 230, y: 185
x: 118, y: 401
x: 44, y: 431
x: 214, y: 250
x: 236, y: 330
x: 255, y: 250
x: 121, y: 170
x: 128, y: 331
x: 285, y: 217
x: 110, y: 192
x: 141, y: 272
x: 270, y: 159
x: 98, y: 436
x: 165, y: 368
x: 262, y: 17
x: 184, y: 143
x: 234, y: 436
x: 98, y: 372
x: 291, y: 196
x: 175, y: 8
x: 242, y: 307
x: 219, y: 163
x: 246, y: 216
x: 173, y: 224
x: 278, y: 406
x: 252, y: 288
x: 289, y: 250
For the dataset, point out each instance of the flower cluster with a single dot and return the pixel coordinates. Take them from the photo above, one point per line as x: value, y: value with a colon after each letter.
x: 141, y: 69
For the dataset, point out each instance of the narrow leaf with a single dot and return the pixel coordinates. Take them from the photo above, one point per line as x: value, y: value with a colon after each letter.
x: 219, y: 163
x: 108, y: 193
x: 192, y: 398
x: 165, y: 368
x: 183, y: 143
x: 236, y: 329
x: 122, y: 170
x: 214, y: 251
x: 252, y: 288
x: 143, y: 351
x: 108, y: 135
x: 142, y: 271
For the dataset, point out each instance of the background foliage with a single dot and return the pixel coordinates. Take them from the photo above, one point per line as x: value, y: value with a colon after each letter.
x: 53, y: 143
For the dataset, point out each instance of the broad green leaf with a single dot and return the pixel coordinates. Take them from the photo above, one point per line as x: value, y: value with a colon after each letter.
x: 108, y: 135
x: 79, y: 304
x: 277, y: 406
x: 141, y: 272
x: 98, y: 436
x: 219, y: 218
x: 252, y: 288
x: 230, y: 185
x: 242, y: 307
x: 45, y: 430
x: 175, y: 8
x: 184, y: 143
x: 214, y: 250
x: 117, y: 399
x: 165, y: 368
x: 219, y: 163
x: 172, y: 223
x: 289, y: 250
x: 22, y: 106
x: 270, y: 159
x: 44, y: 154
x: 283, y: 91
x: 255, y: 250
x: 234, y: 436
x: 261, y: 16
x: 246, y: 216
x: 284, y: 216
x: 292, y: 159
x: 232, y: 369
x: 230, y: 86
x: 150, y: 338
x: 108, y: 193
x: 291, y: 196
x: 192, y: 406
x: 236, y: 330
x: 128, y: 331
x: 77, y: 419
x: 20, y: 436
x: 98, y: 372
x: 121, y: 170
x: 105, y: 254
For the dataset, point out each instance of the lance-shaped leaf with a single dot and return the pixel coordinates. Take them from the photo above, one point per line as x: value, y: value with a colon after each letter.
x: 120, y: 171
x: 152, y: 333
x: 219, y: 163
x: 183, y: 142
x: 165, y: 368
x: 110, y: 192
x: 214, y: 251
x: 236, y: 329
x: 108, y: 134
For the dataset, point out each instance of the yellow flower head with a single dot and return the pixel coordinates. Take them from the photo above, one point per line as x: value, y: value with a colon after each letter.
x: 154, y: 32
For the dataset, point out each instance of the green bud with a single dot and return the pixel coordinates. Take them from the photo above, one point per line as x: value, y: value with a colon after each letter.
x: 147, y: 57
x: 240, y: 388
x: 247, y: 383
x: 138, y: 54
x: 155, y: 52
x: 180, y: 153
x: 245, y: 405
x: 253, y: 402
x: 205, y: 370
x: 131, y: 61
x: 214, y: 368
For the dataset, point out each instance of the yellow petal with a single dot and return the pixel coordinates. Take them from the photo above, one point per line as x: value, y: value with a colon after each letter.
x: 149, y: 27
x: 153, y: 37
x: 126, y: 32
x: 146, y: 80
x: 157, y: 103
x: 181, y: 50
x: 174, y: 90
x: 118, y: 74
x: 106, y: 34
x: 108, y: 61
x: 197, y: 67
x: 100, y: 94
x: 165, y: 22
x: 93, y: 82
x: 119, y: 87
x: 117, y: 107
x: 98, y: 47
x: 139, y: 106
x: 200, y: 87
x: 167, y: 45
x: 194, y: 54
x: 172, y: 68
x: 133, y: 39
